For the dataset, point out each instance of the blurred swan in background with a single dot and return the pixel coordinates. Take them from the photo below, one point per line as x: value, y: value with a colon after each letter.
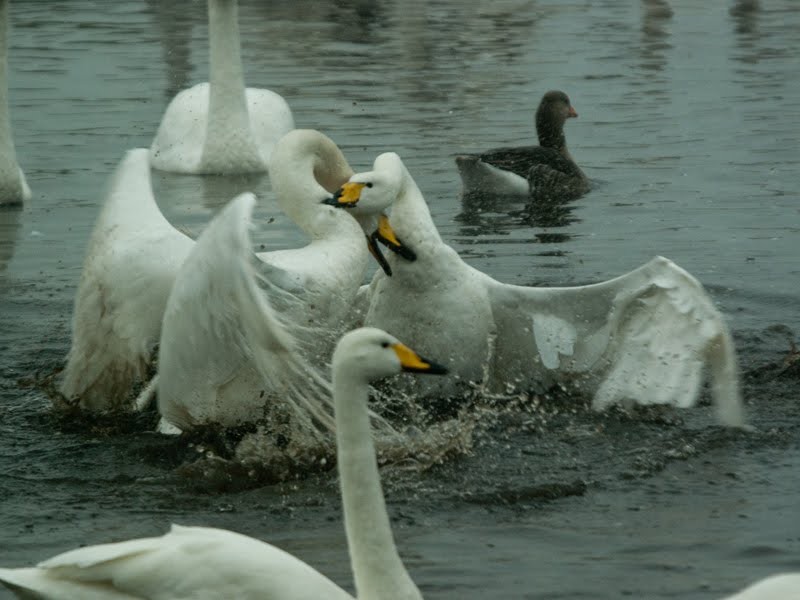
x: 784, y: 586
x: 241, y: 329
x: 219, y: 126
x: 644, y: 337
x: 201, y: 562
x: 13, y: 186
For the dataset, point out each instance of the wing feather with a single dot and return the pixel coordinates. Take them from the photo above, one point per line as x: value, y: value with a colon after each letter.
x: 133, y: 256
x: 219, y: 323
x: 644, y: 337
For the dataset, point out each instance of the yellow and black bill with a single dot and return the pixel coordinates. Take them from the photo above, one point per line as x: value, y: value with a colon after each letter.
x: 414, y: 363
x: 386, y: 235
x: 375, y: 250
x: 346, y: 196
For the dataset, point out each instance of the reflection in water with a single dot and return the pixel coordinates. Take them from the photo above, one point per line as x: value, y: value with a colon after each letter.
x: 209, y: 191
x: 745, y: 16
x: 655, y: 16
x: 173, y: 25
x: 9, y: 230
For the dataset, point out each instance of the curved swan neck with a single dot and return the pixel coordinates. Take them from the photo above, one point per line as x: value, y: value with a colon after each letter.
x: 411, y: 217
x: 228, y: 119
x: 377, y: 568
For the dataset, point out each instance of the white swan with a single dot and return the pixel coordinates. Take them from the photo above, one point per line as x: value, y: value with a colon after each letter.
x: 200, y: 562
x: 13, y: 186
x: 784, y: 586
x: 219, y: 126
x: 642, y: 337
x: 227, y: 345
x: 132, y: 258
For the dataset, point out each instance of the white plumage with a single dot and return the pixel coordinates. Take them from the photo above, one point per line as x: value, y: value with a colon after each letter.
x: 229, y: 347
x: 785, y: 586
x: 643, y: 337
x: 220, y: 126
x: 132, y: 258
x: 13, y: 186
x: 200, y: 563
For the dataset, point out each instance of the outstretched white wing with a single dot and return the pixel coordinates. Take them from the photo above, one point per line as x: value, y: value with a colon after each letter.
x: 223, y: 337
x: 131, y: 261
x: 643, y: 337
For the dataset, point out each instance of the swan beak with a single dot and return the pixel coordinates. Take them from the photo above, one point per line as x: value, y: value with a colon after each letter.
x: 414, y: 363
x: 571, y: 112
x: 346, y: 196
x: 385, y: 234
x: 375, y: 250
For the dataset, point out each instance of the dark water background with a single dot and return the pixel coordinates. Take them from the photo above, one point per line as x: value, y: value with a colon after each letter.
x: 689, y: 125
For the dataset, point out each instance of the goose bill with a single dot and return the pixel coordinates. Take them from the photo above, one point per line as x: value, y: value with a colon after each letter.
x: 414, y: 363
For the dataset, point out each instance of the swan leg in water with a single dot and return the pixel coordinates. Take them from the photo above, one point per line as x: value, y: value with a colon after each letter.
x: 645, y: 337
x: 201, y: 562
x: 220, y: 126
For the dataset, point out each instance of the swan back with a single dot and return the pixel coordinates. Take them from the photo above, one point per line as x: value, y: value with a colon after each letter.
x: 13, y: 187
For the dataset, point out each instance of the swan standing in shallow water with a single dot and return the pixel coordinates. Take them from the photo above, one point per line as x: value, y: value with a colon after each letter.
x: 132, y: 258
x: 13, y: 187
x: 200, y: 562
x: 219, y: 126
x: 241, y: 330
x: 546, y: 172
x: 643, y: 337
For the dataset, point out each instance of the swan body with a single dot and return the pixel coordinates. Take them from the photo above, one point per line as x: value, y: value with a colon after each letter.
x: 132, y: 258
x: 241, y: 328
x: 642, y: 337
x: 201, y: 563
x: 220, y: 126
x: 13, y: 186
x: 784, y: 586
x: 545, y: 173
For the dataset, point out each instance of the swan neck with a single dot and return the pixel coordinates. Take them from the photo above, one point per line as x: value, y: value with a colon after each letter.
x: 411, y: 218
x: 377, y: 568
x: 227, y: 104
x: 9, y: 170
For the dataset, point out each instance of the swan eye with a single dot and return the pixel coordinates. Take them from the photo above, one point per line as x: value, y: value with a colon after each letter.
x: 369, y: 184
x: 385, y: 345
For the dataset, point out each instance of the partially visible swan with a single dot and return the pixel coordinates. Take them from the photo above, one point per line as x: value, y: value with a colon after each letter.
x: 219, y: 126
x: 132, y: 258
x: 784, y: 586
x: 643, y: 337
x: 200, y: 562
x: 13, y: 186
x: 547, y: 172
x: 241, y: 329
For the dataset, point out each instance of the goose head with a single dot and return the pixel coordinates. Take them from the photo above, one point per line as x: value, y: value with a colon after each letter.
x: 367, y: 196
x: 368, y: 354
x: 554, y: 109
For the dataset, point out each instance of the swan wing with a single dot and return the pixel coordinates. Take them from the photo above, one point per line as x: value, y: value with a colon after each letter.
x: 133, y: 256
x: 645, y: 336
x: 187, y: 562
x: 222, y: 317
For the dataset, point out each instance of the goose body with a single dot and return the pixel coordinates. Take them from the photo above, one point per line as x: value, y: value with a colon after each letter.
x: 241, y: 328
x: 132, y: 258
x: 201, y: 563
x: 643, y: 337
x: 545, y: 173
x: 220, y: 126
x: 13, y: 186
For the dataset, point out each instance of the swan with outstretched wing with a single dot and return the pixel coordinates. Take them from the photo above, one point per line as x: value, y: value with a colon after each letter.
x: 645, y: 337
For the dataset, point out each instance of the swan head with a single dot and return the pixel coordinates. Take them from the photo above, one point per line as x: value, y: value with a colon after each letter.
x: 367, y: 196
x: 368, y: 354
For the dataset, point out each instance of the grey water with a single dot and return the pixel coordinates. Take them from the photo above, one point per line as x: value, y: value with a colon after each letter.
x: 689, y: 128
